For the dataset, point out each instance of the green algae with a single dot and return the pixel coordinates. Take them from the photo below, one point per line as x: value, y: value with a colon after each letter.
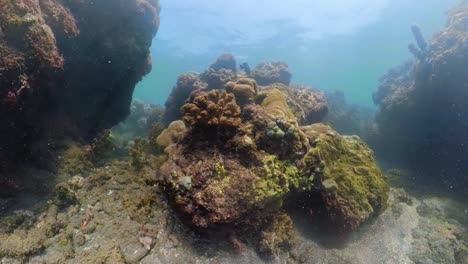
x: 276, y: 179
x: 75, y: 159
x: 138, y: 152
x: 219, y: 169
x: 21, y: 244
x: 64, y: 195
x: 347, y: 165
x: 278, y: 236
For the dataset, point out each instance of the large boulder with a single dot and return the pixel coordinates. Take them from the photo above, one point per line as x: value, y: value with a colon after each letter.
x: 421, y: 122
x: 236, y: 168
x: 68, y: 68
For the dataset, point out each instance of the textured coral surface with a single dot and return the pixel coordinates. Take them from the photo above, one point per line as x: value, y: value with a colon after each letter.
x: 244, y: 159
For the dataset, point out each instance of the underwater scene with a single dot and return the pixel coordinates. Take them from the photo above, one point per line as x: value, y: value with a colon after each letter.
x: 204, y: 131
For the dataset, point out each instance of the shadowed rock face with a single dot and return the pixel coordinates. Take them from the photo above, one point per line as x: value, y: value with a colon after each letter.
x: 68, y: 68
x: 423, y: 107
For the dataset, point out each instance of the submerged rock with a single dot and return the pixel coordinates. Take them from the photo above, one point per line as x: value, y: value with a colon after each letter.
x: 421, y: 121
x: 352, y: 186
x: 234, y: 169
x: 58, y: 66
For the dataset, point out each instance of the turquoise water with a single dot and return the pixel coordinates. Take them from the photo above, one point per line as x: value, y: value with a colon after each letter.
x: 351, y: 58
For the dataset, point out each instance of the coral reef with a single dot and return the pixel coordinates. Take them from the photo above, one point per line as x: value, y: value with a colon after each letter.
x: 421, y: 123
x: 58, y: 66
x: 186, y: 84
x: 313, y: 104
x: 242, y: 155
x: 266, y: 73
x: 244, y: 89
x: 211, y: 109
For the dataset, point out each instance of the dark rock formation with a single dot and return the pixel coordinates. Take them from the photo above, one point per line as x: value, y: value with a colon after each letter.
x: 423, y: 109
x: 68, y: 68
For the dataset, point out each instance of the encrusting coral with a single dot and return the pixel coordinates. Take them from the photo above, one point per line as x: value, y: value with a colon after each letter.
x: 352, y: 186
x: 242, y: 155
x: 211, y: 109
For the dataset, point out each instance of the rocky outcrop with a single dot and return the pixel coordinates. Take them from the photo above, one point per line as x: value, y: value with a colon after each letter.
x: 236, y: 168
x: 422, y: 114
x: 68, y: 68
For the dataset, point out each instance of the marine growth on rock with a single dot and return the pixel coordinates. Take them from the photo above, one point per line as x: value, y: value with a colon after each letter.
x: 244, y: 159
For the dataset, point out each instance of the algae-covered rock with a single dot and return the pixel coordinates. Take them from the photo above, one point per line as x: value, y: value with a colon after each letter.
x: 138, y: 152
x: 352, y: 186
x: 68, y: 68
x: 74, y: 159
x: 64, y: 195
x: 232, y: 169
x: 420, y: 124
x: 21, y: 244
x: 278, y: 235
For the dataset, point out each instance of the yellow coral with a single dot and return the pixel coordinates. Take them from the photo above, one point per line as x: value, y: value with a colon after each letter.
x: 275, y: 104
